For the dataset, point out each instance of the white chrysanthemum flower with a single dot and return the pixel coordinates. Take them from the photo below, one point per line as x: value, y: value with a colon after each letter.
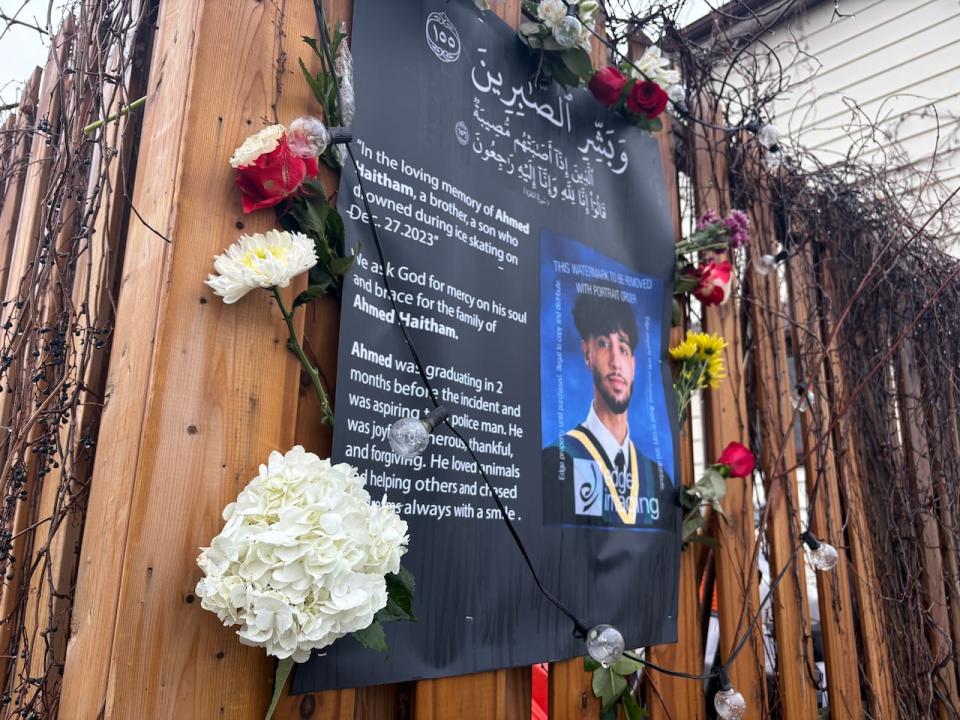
x: 551, y: 12
x: 302, y: 558
x: 266, y: 260
x: 258, y: 144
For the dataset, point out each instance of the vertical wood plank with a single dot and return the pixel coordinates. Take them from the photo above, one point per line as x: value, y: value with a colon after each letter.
x: 827, y: 522
x: 940, y: 434
x: 737, y: 583
x: 19, y: 284
x: 792, y: 629
x: 19, y: 146
x: 952, y: 431
x: 875, y: 653
x: 200, y: 392
x: 669, y: 697
x: 570, y: 694
x: 918, y: 462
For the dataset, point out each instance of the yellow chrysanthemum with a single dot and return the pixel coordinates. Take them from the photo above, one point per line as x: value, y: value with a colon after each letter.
x: 708, y: 346
x: 684, y: 351
x: 715, y: 371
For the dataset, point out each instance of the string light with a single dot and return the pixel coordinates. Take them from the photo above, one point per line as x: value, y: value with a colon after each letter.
x: 823, y: 556
x: 677, y: 94
x: 410, y: 436
x: 769, y: 137
x: 568, y: 32
x: 308, y: 137
x: 803, y: 398
x: 729, y: 703
x: 767, y: 263
x: 605, y: 644
x: 773, y: 159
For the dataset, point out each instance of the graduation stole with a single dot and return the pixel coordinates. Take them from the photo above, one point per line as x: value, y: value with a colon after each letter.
x: 627, y: 514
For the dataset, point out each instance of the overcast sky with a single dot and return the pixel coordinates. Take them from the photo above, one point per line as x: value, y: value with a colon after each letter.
x: 22, y: 49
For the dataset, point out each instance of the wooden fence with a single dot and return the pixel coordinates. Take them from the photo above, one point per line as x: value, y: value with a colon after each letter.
x: 188, y: 396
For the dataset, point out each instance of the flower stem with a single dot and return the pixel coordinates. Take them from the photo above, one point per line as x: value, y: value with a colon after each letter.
x: 294, y: 344
x: 123, y: 111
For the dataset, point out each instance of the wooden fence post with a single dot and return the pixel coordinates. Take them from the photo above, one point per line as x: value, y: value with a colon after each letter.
x: 939, y: 431
x: 25, y: 237
x: 19, y: 157
x: 737, y: 575
x: 199, y: 392
x: 827, y: 522
x: 918, y: 462
x: 792, y: 628
x: 670, y: 697
x: 863, y: 564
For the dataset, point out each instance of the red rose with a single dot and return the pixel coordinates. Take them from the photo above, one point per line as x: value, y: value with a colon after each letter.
x: 739, y: 459
x: 607, y: 85
x: 273, y: 176
x: 647, y: 98
x: 716, y: 279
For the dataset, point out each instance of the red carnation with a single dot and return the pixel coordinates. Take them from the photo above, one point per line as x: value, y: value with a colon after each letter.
x: 273, y: 177
x: 715, y: 281
x: 739, y: 459
x: 607, y: 85
x: 647, y: 98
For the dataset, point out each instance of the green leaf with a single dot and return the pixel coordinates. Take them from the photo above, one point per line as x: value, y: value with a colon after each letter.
x: 626, y: 666
x: 312, y: 42
x: 316, y: 86
x: 608, y: 685
x: 578, y: 62
x: 655, y: 125
x: 589, y: 664
x: 691, y: 524
x: 399, y: 598
x: 609, y: 713
x: 688, y: 499
x: 373, y: 637
x: 279, y: 680
x: 405, y: 579
x: 706, y: 540
x: 631, y: 708
x: 676, y: 314
x: 340, y: 265
x: 311, y: 293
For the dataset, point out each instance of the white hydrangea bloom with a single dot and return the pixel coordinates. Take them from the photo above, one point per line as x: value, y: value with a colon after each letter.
x: 302, y: 558
x: 262, y: 260
x: 551, y: 12
x: 258, y: 144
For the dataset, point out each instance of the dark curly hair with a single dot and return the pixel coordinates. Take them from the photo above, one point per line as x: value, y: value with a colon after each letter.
x: 596, y: 315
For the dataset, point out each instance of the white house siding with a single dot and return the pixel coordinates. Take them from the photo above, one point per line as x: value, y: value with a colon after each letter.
x: 898, y: 61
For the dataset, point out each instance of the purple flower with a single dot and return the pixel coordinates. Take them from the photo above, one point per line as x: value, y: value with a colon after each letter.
x: 710, y: 217
x: 738, y: 228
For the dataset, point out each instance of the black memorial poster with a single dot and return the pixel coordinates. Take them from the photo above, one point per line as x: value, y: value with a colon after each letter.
x: 529, y: 245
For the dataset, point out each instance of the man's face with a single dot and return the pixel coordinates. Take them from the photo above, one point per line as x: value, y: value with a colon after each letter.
x: 611, y: 361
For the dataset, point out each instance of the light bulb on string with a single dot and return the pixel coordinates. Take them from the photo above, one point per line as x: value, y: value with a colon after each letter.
x: 803, y: 398
x: 568, y: 32
x: 773, y: 158
x: 307, y: 136
x: 605, y: 644
x: 768, y: 263
x: 729, y: 703
x: 410, y: 436
x: 823, y: 556
x: 677, y: 94
x: 769, y: 136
